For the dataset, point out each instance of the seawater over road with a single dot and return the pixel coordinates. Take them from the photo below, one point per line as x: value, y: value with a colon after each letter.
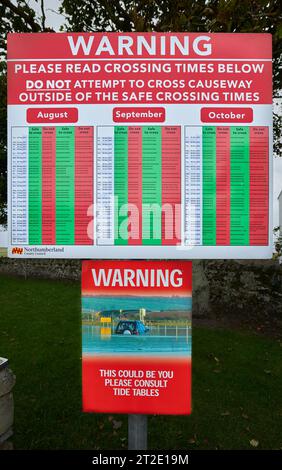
x: 153, y: 343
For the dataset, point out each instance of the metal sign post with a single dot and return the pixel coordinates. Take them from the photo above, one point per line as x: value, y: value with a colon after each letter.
x: 137, y: 432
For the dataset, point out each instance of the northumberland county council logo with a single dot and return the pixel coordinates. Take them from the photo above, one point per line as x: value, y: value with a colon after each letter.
x: 17, y: 251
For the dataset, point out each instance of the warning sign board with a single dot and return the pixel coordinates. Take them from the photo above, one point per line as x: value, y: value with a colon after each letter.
x: 154, y: 145
x: 141, y: 361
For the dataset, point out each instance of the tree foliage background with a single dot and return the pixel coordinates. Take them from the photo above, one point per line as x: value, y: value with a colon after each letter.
x: 245, y: 16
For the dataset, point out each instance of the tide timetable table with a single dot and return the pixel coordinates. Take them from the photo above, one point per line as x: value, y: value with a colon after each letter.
x: 226, y: 185
x: 52, y: 185
x: 138, y: 178
x: 140, y: 186
x: 140, y: 145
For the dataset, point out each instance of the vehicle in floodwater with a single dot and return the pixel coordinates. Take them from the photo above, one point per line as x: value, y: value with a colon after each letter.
x: 131, y: 327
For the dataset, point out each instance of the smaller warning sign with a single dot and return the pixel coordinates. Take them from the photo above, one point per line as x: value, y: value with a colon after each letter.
x: 136, y: 336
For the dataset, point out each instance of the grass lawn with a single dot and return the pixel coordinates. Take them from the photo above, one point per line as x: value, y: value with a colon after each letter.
x: 237, y: 381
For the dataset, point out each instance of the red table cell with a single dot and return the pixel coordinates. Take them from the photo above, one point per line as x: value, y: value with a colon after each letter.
x: 223, y: 186
x: 171, y: 185
x: 83, y: 184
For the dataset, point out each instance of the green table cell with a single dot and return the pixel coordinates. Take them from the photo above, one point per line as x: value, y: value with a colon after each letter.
x: 209, y: 185
x: 35, y: 185
x: 121, y: 184
x: 65, y: 185
x: 151, y: 185
x: 239, y: 186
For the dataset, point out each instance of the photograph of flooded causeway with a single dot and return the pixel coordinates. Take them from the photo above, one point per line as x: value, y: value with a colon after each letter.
x: 134, y: 325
